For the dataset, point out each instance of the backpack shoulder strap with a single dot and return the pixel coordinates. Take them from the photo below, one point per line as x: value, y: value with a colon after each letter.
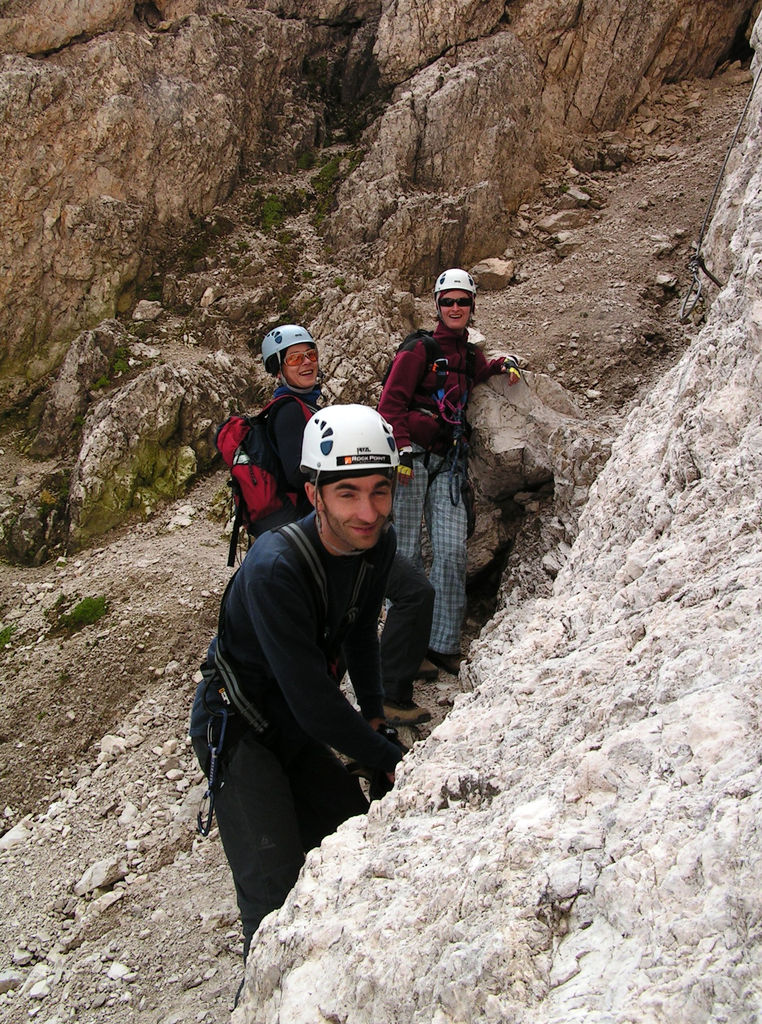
x: 470, y: 363
x: 297, y: 538
x: 435, y: 361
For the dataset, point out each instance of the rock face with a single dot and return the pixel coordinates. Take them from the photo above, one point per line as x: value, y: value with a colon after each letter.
x: 112, y: 145
x: 146, y: 444
x: 580, y: 838
x: 508, y: 88
x: 124, y: 123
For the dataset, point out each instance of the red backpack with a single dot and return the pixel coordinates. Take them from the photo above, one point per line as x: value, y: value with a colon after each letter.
x: 256, y: 475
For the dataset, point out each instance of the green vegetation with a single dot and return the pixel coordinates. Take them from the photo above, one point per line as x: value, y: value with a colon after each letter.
x: 84, y: 613
x: 120, y: 362
x: 6, y: 632
x: 268, y: 212
x: 48, y: 501
x: 326, y: 182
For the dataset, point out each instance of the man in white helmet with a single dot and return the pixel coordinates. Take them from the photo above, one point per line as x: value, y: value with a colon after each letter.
x: 425, y: 403
x: 269, y: 711
x: 290, y: 354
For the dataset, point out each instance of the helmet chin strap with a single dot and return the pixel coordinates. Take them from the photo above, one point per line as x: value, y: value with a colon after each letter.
x: 300, y: 391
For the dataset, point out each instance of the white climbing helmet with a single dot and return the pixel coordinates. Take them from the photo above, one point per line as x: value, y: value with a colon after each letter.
x: 278, y: 340
x: 346, y: 440
x: 454, y: 278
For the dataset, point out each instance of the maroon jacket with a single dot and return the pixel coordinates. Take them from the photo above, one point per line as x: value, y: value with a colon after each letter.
x: 406, y: 401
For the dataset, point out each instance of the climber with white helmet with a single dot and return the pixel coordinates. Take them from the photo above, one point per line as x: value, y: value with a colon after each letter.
x: 269, y: 711
x: 425, y: 401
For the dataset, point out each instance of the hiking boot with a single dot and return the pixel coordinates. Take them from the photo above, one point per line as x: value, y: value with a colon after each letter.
x: 427, y: 671
x: 448, y: 662
x: 405, y: 712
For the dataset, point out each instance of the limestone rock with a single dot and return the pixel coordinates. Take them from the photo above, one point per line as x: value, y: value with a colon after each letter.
x: 411, y: 34
x: 101, y: 875
x: 40, y: 26
x: 89, y: 358
x: 512, y: 432
x: 150, y: 440
x: 528, y: 438
x: 488, y: 92
x: 538, y: 85
x: 140, y: 136
x: 146, y: 311
x: 493, y: 273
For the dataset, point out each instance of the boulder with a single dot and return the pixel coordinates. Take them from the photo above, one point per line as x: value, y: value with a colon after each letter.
x: 146, y: 443
x: 493, y: 274
x: 529, y: 440
x: 88, y: 360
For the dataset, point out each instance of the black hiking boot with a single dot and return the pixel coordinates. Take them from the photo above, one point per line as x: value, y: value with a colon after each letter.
x: 427, y: 671
x: 448, y: 662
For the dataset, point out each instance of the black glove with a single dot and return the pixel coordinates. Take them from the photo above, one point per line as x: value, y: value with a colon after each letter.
x: 511, y: 367
x: 391, y: 734
x: 378, y: 780
x: 405, y: 468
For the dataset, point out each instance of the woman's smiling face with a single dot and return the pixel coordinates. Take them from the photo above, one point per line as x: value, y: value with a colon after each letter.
x: 299, y: 369
x: 455, y: 308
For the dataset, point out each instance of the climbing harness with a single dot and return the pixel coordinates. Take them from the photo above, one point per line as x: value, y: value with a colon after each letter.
x: 204, y: 820
x: 696, y: 262
x: 458, y: 460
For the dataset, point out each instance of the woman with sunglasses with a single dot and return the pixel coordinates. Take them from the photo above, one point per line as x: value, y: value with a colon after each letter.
x: 290, y: 354
x: 426, y: 407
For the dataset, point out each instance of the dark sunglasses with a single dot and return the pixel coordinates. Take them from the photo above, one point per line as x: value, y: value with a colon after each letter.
x: 448, y: 301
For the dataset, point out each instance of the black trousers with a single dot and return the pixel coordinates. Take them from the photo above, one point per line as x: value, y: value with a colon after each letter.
x: 405, y: 638
x: 271, y: 811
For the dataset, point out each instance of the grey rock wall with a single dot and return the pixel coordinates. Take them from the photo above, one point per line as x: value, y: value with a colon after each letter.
x: 125, y: 123
x: 580, y: 839
x: 487, y: 94
x: 113, y: 145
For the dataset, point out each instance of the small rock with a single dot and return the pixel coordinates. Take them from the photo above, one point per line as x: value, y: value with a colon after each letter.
x: 494, y: 274
x: 146, y: 310
x: 574, y: 197
x: 564, y: 221
x: 112, y: 746
x: 40, y: 990
x: 120, y: 972
x: 15, y: 836
x: 667, y: 281
x: 10, y: 980
x: 101, y: 875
